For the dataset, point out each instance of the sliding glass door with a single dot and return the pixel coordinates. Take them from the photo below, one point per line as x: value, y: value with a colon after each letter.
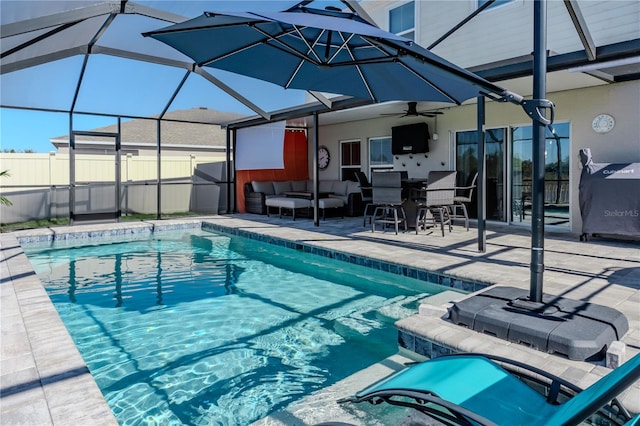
x: 556, y: 188
x: 509, y: 199
x: 467, y: 166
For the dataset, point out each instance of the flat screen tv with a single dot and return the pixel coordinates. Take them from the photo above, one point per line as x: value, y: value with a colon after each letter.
x: 410, y: 139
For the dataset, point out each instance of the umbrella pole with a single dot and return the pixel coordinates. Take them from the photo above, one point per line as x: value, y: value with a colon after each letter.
x: 539, y: 128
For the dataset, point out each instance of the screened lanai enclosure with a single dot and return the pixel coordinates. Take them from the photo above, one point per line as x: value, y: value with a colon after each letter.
x: 81, y: 61
x: 139, y: 129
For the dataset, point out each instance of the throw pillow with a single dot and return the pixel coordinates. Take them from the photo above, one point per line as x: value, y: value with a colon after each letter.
x: 265, y: 187
x: 282, y: 187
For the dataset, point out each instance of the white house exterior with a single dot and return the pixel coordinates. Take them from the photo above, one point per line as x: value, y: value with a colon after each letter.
x: 498, y: 44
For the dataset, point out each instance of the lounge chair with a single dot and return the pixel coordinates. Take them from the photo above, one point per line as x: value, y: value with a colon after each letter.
x: 467, y: 389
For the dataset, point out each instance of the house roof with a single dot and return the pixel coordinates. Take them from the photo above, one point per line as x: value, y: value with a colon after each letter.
x: 203, y: 126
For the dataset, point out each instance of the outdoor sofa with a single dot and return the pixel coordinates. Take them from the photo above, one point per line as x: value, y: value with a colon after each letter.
x: 257, y: 192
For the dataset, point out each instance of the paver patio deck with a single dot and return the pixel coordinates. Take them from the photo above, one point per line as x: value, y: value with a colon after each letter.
x: 45, y: 381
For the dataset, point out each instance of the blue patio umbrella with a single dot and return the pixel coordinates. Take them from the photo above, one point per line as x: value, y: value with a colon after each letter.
x: 325, y: 51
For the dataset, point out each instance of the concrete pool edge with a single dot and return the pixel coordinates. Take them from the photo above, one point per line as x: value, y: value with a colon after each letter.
x: 44, y: 378
x: 124, y: 229
x: 447, y: 281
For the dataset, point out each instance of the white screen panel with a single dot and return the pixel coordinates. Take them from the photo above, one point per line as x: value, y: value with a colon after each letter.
x: 260, y: 147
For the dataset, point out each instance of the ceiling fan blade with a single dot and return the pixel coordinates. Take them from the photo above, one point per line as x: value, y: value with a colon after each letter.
x: 412, y: 111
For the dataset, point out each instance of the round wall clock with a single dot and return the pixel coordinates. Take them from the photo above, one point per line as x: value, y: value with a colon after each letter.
x: 323, y: 157
x: 603, y: 123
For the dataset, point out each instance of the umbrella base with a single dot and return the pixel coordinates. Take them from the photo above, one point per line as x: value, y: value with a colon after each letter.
x: 575, y: 329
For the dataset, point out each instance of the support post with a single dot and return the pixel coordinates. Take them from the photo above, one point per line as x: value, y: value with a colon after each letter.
x: 539, y: 136
x: 118, y: 180
x: 482, y: 179
x: 316, y: 183
x: 72, y: 172
x: 159, y: 171
x: 234, y: 158
x: 231, y: 169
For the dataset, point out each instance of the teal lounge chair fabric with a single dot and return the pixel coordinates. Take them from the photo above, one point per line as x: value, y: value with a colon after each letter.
x: 474, y: 383
x: 634, y: 421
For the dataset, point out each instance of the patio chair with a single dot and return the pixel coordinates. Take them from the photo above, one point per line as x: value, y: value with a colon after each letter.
x: 462, y: 197
x: 464, y: 389
x: 435, y: 200
x: 386, y: 189
x: 367, y: 196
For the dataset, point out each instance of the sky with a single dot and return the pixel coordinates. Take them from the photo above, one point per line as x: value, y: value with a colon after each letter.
x: 120, y: 86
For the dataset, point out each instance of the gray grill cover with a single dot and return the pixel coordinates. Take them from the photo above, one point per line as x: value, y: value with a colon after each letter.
x: 609, y: 197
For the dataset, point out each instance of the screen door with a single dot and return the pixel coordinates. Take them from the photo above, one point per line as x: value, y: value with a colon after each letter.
x: 94, y: 177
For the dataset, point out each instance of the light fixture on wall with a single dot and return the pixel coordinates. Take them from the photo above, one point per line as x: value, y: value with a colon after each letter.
x: 434, y: 136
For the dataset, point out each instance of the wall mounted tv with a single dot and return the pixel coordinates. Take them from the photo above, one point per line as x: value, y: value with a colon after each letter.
x: 410, y: 139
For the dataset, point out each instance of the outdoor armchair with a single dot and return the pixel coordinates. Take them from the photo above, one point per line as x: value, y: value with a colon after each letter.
x: 463, y: 195
x: 366, y: 195
x: 387, y: 197
x: 435, y: 200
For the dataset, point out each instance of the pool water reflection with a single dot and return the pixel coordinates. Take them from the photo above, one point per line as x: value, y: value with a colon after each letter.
x: 203, y: 328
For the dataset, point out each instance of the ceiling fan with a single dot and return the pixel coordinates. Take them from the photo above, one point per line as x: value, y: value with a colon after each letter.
x: 412, y: 111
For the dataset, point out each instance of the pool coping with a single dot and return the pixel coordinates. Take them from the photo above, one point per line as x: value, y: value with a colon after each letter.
x: 142, y: 228
x: 444, y: 280
x: 44, y: 378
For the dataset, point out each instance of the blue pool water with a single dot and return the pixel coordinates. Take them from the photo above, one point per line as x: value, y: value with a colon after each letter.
x: 196, y: 327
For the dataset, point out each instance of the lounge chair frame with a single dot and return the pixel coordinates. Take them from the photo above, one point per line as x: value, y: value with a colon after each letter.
x: 557, y: 391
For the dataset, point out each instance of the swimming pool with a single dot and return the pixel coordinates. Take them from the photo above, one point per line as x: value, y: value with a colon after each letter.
x: 195, y: 327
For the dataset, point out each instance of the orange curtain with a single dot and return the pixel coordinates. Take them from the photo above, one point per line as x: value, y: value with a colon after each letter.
x: 296, y: 166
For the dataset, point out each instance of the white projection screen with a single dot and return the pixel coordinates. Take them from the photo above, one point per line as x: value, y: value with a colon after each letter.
x: 260, y: 147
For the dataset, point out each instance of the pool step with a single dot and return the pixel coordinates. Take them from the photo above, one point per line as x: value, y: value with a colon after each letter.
x: 395, y: 308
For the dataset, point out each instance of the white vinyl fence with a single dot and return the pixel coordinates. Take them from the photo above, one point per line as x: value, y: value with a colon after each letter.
x: 38, y: 185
